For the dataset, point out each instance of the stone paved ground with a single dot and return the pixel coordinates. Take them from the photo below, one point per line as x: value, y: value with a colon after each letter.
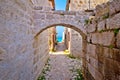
x: 60, y: 66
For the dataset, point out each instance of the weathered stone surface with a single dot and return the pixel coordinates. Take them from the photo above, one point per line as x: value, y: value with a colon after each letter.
x: 91, y: 50
x: 101, y: 10
x: 76, y: 44
x: 101, y: 25
x: 114, y: 22
x: 91, y: 28
x: 65, y: 12
x: 94, y: 62
x: 20, y: 59
x: 118, y: 40
x: 112, y: 53
x: 104, y: 38
x: 3, y: 54
x: 38, y: 7
x: 111, y: 8
x: 39, y: 16
x: 95, y: 73
x: 111, y: 69
x: 89, y: 36
x: 50, y: 16
x: 116, y: 5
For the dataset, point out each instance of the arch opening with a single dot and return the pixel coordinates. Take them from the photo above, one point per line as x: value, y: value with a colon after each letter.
x: 48, y: 26
x: 65, y: 25
x: 83, y: 35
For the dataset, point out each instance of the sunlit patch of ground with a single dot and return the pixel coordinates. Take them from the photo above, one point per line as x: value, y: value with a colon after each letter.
x: 66, y: 52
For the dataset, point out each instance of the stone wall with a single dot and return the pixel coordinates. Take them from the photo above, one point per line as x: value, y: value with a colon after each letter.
x: 22, y: 55
x: 19, y: 59
x: 103, y: 43
x: 75, y: 43
x: 16, y: 51
x: 41, y: 50
x: 80, y: 5
x: 41, y: 42
x: 75, y: 38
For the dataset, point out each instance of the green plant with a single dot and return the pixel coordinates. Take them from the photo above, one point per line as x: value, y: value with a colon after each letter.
x: 62, y: 14
x: 111, y: 46
x: 101, y: 31
x: 105, y: 16
x: 79, y: 76
x: 71, y: 56
x: 42, y: 77
x: 86, y: 21
x: 50, y: 42
x: 116, y: 31
x: 52, y: 50
x: 46, y: 68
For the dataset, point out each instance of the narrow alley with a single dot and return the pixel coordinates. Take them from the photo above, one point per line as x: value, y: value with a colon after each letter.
x: 61, y: 66
x: 59, y: 39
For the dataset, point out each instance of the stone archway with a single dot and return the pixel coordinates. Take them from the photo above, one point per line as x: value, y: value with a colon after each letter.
x: 45, y: 19
x: 83, y: 34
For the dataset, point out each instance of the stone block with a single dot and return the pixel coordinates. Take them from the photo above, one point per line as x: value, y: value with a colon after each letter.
x: 95, y: 73
x: 64, y: 12
x: 116, y: 5
x: 111, y: 8
x: 118, y: 40
x: 91, y: 28
x: 111, y: 69
x: 70, y: 12
x: 89, y: 36
x: 114, y: 22
x: 59, y: 12
x: 107, y: 53
x: 50, y: 16
x: 116, y: 54
x: 101, y: 10
x: 101, y: 25
x: 47, y: 9
x: 112, y: 53
x: 91, y: 50
x: 38, y: 7
x: 99, y: 51
x: 104, y: 38
x: 39, y: 16
x: 94, y: 62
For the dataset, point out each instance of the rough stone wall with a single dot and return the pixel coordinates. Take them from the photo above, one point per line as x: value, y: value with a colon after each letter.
x: 44, y: 3
x: 80, y: 5
x: 103, y: 43
x: 16, y: 51
x: 19, y: 59
x: 41, y: 43
x: 41, y: 50
x: 52, y: 38
x: 75, y: 43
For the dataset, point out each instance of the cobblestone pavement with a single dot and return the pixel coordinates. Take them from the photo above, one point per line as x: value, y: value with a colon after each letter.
x: 61, y: 67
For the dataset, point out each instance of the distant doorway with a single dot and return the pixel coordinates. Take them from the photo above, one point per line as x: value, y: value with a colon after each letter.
x: 60, y: 34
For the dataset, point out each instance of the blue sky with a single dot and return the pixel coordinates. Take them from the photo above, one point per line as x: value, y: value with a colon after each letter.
x: 60, y: 5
